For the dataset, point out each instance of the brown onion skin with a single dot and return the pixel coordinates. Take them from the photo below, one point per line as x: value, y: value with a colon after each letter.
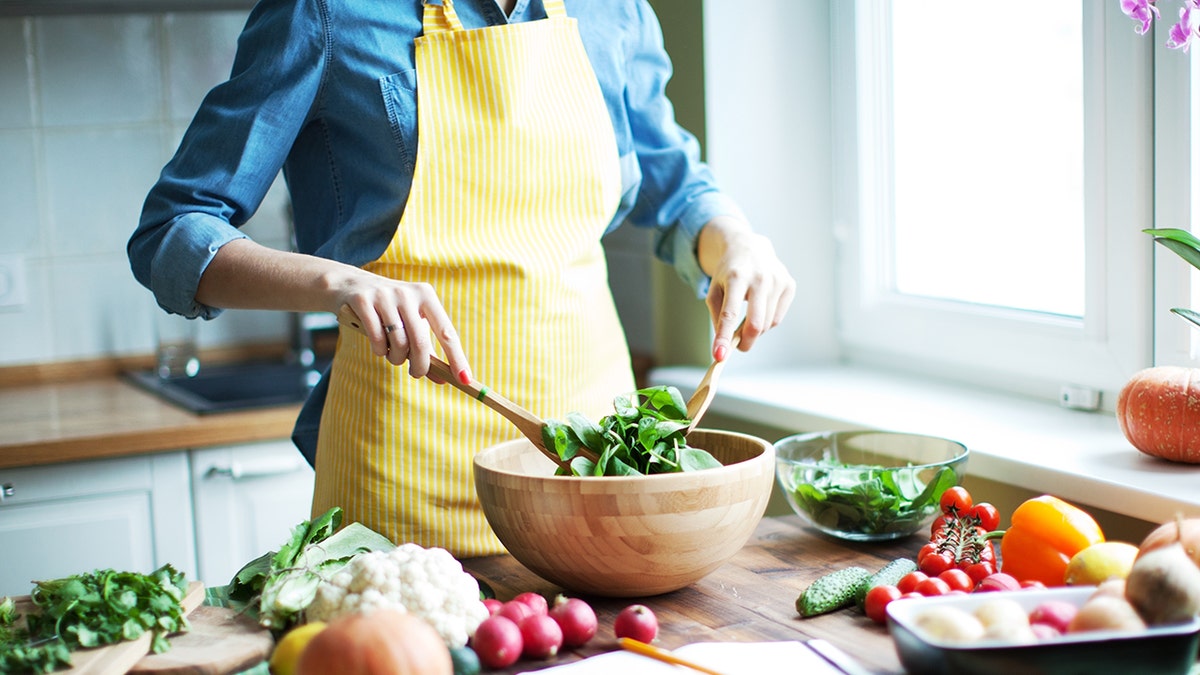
x: 1167, y: 533
x: 1158, y: 410
x: 382, y: 642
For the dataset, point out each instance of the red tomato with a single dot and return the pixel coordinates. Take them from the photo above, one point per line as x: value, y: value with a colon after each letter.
x: 1032, y: 583
x: 980, y: 571
x: 926, y: 550
x: 908, y: 582
x: 877, y: 601
x: 956, y: 499
x: 988, y: 515
x: 933, y: 586
x: 939, y: 524
x: 957, y: 580
x: 935, y: 563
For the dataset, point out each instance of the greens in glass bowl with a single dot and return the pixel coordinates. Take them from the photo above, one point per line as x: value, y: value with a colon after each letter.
x: 868, y: 485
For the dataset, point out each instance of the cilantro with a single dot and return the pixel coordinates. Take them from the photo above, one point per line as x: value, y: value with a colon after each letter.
x: 645, y: 435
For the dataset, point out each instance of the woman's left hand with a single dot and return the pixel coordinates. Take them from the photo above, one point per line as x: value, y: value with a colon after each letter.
x: 745, y: 273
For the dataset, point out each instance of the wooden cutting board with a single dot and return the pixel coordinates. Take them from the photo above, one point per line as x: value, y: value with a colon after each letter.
x: 119, y: 658
x: 220, y: 642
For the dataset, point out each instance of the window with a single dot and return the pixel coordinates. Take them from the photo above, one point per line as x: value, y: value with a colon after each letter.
x: 992, y: 186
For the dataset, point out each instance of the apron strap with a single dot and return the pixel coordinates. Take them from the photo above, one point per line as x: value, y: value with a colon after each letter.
x: 554, y: 9
x: 439, y: 15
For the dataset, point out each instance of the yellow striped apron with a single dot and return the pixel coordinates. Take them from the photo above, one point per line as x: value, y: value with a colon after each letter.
x: 516, y: 179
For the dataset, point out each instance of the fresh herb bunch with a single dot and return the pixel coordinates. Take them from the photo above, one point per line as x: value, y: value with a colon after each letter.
x: 19, y: 654
x: 644, y: 436
x: 870, y: 500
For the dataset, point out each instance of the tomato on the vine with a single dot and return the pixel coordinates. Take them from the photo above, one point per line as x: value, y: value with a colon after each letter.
x: 877, y: 601
x: 980, y: 570
x: 935, y: 562
x: 955, y: 499
x: 988, y: 515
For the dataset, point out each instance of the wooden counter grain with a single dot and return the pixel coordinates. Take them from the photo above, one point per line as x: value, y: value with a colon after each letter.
x: 106, y: 416
x: 750, y: 598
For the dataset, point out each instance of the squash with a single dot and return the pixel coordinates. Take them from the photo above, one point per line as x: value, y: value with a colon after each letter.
x: 1159, y: 412
x: 382, y: 642
x: 1166, y: 534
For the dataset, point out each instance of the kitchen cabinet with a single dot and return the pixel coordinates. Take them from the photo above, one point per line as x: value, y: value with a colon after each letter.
x: 247, y: 498
x: 131, y: 513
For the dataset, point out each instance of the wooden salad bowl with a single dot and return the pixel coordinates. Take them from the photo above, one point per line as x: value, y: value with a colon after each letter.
x: 626, y: 536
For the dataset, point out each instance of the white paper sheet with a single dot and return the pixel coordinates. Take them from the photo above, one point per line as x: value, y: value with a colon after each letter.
x: 729, y: 658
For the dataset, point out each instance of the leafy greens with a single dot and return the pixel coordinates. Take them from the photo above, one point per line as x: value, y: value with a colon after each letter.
x: 645, y: 435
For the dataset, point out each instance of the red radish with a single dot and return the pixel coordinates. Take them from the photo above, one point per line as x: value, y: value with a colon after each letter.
x: 497, y: 642
x: 1054, y: 613
x: 535, y: 601
x: 998, y: 581
x: 576, y: 618
x: 515, y: 611
x: 493, y: 606
x: 637, y: 622
x: 540, y: 636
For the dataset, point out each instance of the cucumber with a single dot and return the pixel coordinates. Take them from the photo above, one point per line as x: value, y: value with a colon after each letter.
x: 889, y: 575
x: 832, y: 591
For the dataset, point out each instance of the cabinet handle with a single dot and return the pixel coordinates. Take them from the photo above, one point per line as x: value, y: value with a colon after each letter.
x: 7, y: 490
x: 255, y: 469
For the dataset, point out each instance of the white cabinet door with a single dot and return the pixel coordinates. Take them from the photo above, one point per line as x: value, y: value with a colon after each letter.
x: 247, y: 498
x: 126, y: 514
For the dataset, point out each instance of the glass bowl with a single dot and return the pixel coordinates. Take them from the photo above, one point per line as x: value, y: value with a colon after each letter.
x: 868, y: 485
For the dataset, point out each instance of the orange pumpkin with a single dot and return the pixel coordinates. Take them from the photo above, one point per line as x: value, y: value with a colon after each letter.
x: 1159, y: 412
x: 382, y: 642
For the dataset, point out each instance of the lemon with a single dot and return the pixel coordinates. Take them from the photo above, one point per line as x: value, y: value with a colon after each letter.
x: 1100, y: 562
x: 286, y: 655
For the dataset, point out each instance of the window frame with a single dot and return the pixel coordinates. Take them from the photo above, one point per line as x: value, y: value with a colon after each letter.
x: 1022, y: 352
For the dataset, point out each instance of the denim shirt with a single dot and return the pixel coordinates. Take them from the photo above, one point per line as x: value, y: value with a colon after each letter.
x: 326, y: 91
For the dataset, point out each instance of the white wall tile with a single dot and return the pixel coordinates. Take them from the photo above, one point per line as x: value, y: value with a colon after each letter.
x: 200, y: 47
x: 97, y: 181
x: 16, y: 105
x: 26, y: 329
x: 99, y: 69
x: 98, y: 308
x: 20, y: 229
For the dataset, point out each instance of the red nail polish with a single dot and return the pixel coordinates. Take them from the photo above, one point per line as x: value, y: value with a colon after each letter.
x: 464, y: 376
x: 722, y: 350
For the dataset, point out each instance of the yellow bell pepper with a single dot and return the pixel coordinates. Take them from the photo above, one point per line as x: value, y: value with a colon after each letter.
x: 1045, y: 532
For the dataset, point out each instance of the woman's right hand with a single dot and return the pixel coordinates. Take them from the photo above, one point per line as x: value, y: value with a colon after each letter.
x: 400, y: 318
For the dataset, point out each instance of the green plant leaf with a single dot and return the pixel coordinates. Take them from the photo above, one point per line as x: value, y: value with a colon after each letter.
x: 1188, y: 314
x: 1181, y: 242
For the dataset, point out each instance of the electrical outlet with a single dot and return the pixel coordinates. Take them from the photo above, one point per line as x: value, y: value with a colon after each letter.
x: 12, y: 281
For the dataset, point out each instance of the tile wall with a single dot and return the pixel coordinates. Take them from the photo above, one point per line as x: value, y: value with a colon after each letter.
x: 91, y: 108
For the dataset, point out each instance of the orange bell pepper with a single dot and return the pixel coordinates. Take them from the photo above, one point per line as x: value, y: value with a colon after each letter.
x: 1045, y: 533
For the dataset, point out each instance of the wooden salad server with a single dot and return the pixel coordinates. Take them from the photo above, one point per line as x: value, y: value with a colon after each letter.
x: 706, y: 391
x: 527, y: 423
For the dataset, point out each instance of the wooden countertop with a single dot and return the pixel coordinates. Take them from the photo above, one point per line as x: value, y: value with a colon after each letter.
x: 106, y: 416
x: 751, y: 598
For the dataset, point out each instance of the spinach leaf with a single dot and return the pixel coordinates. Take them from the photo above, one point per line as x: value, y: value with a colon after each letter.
x: 644, y: 435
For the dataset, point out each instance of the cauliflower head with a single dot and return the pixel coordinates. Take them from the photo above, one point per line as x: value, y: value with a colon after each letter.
x: 427, y: 582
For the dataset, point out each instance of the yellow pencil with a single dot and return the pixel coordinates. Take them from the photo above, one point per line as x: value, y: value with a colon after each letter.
x: 662, y: 655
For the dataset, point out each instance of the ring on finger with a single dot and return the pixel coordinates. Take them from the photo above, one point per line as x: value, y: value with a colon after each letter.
x: 389, y: 328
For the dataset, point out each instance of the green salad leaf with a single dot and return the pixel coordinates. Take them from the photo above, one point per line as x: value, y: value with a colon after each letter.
x: 866, y: 499
x: 645, y: 435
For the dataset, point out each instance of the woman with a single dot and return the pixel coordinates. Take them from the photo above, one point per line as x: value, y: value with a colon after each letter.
x: 452, y: 166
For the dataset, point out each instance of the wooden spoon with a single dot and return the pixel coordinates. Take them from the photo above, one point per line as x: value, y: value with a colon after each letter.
x: 527, y: 423
x: 706, y: 391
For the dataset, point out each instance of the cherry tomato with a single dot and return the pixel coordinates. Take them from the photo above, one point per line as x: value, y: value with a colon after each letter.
x: 1032, y: 583
x: 955, y: 500
x: 877, y: 601
x: 939, y: 524
x: 935, y: 563
x: 908, y: 582
x: 933, y: 586
x: 957, y: 580
x: 988, y: 515
x: 980, y: 571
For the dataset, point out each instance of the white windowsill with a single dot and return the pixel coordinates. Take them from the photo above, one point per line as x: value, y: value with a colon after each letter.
x: 1079, y: 456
